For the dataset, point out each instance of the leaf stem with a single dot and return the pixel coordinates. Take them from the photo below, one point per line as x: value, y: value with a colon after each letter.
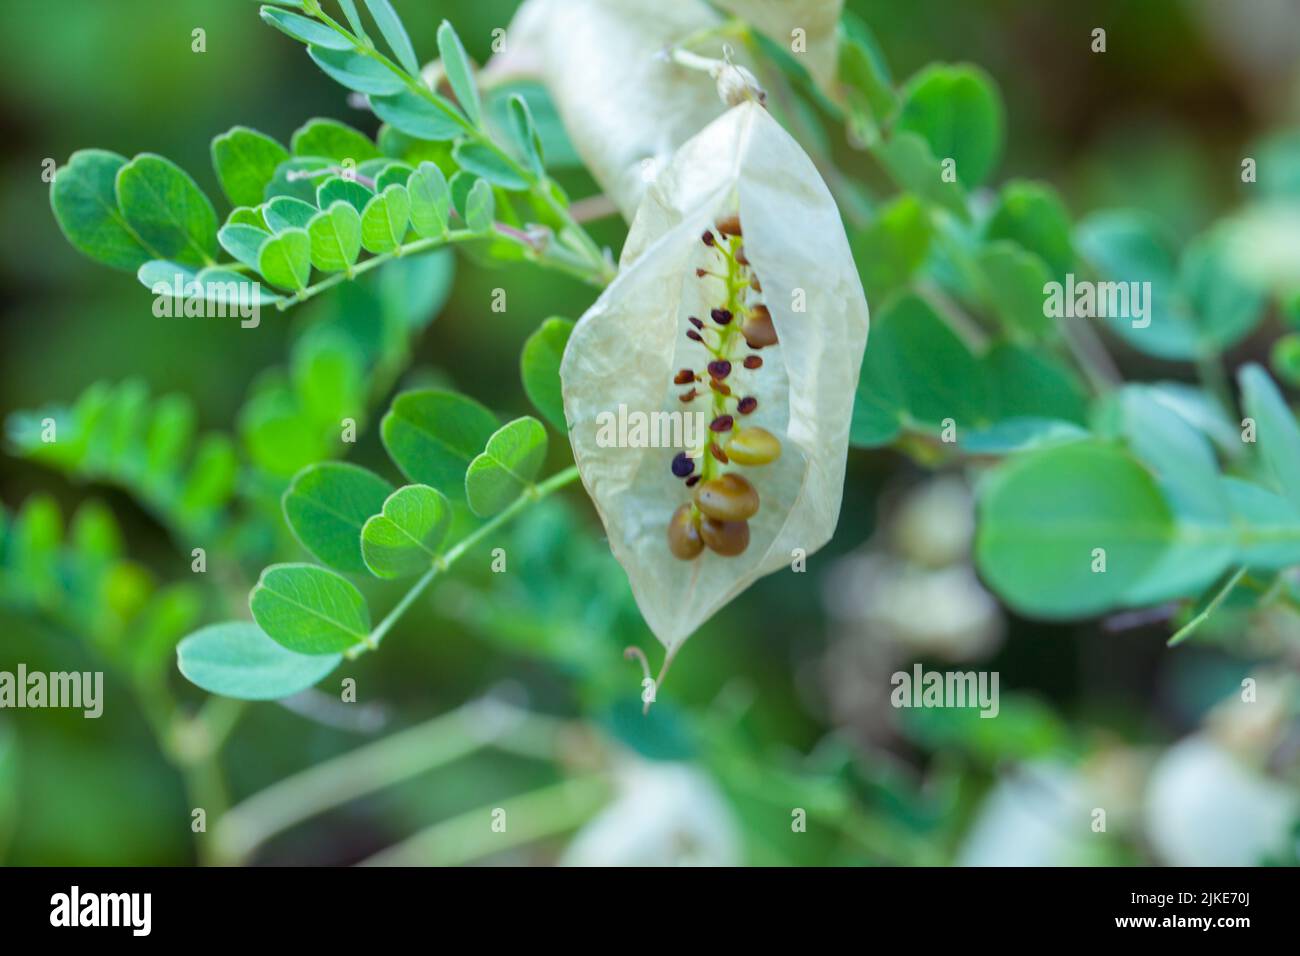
x: 531, y: 494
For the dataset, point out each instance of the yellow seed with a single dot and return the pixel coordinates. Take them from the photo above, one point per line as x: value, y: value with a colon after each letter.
x: 753, y: 446
x: 728, y: 497
x: 683, y: 535
x: 726, y: 538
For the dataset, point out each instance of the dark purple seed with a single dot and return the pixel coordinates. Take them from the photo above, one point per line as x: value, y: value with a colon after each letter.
x: 747, y: 405
x: 695, y: 322
x: 720, y: 368
x: 683, y: 377
x: 692, y: 481
x: 721, y: 316
x: 707, y: 238
x: 753, y: 361
x: 693, y: 335
x: 722, y: 423
x: 683, y: 465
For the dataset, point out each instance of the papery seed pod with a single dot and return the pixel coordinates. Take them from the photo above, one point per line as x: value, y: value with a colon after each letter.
x: 728, y: 497
x: 627, y: 107
x: 627, y: 347
x: 726, y: 538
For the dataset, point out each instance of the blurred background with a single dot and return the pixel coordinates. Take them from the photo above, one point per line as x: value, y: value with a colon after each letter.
x: 510, y: 691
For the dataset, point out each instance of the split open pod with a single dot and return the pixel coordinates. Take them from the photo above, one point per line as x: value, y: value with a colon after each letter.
x: 727, y: 350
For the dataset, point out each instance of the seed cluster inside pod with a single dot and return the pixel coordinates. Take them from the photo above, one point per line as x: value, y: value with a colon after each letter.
x: 721, y: 498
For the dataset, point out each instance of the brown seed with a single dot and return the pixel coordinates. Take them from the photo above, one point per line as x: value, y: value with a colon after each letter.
x: 718, y: 453
x: 753, y: 361
x: 692, y: 481
x: 725, y: 538
x: 753, y: 446
x: 684, y: 376
x: 729, y: 225
x: 720, y: 387
x: 684, y: 539
x: 755, y: 284
x: 741, y: 259
x: 722, y: 423
x: 758, y: 330
x: 707, y: 238
x: 728, y: 497
x: 688, y: 396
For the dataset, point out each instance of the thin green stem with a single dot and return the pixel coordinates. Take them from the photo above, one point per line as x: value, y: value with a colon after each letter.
x: 531, y: 494
x: 548, y: 811
x: 1186, y: 631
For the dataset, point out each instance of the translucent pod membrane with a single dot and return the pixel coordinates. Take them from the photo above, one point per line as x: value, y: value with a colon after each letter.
x: 738, y: 303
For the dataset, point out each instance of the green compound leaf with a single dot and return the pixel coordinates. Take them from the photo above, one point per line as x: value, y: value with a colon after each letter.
x: 526, y: 134
x: 385, y: 220
x: 1033, y: 215
x: 432, y: 436
x: 430, y: 200
x: 958, y: 112
x: 1276, y: 432
x: 480, y: 207
x: 236, y: 659
x: 459, y: 73
x: 390, y: 25
x: 907, y: 158
x: 289, y: 178
x: 348, y: 190
x: 335, y: 237
x: 507, y: 467
x: 309, y: 610
x: 165, y: 208
x: 1042, y: 516
x: 426, y: 117
x: 244, y: 243
x: 330, y: 139
x: 245, y: 162
x: 326, y: 506
x: 305, y: 30
x: 539, y: 367
x: 404, y: 539
x: 84, y: 200
x: 286, y: 212
x: 356, y: 72
x: 394, y: 174
x: 485, y: 161
x: 285, y: 259
x: 916, y: 373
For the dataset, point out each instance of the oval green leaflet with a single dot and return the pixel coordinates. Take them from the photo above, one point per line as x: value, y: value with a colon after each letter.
x: 326, y: 506
x: 236, y: 659
x: 506, y: 467
x: 309, y: 609
x: 404, y: 539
